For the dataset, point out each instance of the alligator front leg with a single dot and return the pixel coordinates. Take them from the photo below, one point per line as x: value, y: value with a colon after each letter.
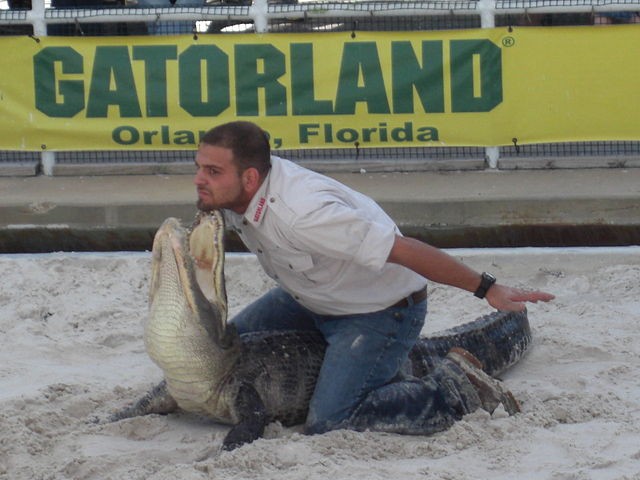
x: 157, y: 400
x: 253, y: 418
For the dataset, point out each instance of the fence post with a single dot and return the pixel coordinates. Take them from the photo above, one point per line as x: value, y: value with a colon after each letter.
x: 259, y: 11
x: 492, y: 154
x: 487, y: 13
x: 36, y: 18
x: 47, y: 161
x: 488, y: 20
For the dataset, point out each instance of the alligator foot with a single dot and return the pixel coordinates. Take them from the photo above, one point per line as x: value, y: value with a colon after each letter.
x: 158, y: 400
x: 491, y: 391
x: 253, y: 421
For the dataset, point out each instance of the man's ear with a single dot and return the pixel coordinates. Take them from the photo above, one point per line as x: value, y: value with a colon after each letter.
x: 251, y: 179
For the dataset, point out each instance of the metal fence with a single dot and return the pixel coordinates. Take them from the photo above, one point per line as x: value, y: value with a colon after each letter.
x: 160, y: 17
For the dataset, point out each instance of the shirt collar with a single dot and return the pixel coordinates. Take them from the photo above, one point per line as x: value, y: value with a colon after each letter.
x: 258, y: 206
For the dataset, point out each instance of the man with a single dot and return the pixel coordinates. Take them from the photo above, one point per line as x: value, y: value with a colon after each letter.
x: 344, y: 268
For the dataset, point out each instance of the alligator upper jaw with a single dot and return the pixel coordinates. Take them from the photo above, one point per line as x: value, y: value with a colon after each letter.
x: 206, y: 246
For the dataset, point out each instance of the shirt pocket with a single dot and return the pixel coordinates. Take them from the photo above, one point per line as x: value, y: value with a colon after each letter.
x: 299, y: 262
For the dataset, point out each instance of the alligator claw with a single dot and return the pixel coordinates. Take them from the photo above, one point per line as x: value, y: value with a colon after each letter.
x: 490, y: 391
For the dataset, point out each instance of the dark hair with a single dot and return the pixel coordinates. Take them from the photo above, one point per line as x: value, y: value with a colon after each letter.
x: 247, y: 141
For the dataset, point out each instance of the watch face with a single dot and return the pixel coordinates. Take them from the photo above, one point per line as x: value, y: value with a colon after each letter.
x: 489, y: 277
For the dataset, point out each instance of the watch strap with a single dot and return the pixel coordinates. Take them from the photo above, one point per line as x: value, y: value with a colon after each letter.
x: 486, y: 281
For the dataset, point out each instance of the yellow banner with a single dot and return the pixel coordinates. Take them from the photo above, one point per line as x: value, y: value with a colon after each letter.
x: 486, y: 87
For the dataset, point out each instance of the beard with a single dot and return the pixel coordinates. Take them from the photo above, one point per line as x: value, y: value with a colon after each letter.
x: 203, y: 206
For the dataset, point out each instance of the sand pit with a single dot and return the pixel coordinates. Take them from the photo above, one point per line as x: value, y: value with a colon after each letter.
x: 71, y: 349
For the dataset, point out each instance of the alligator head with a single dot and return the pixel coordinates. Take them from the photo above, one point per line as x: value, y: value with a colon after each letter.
x: 186, y: 333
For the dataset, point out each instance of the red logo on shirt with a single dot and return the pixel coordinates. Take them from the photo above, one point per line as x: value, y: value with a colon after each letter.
x: 259, y: 209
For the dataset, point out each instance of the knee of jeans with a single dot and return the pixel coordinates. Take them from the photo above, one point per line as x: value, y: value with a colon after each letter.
x: 315, y: 428
x: 317, y: 422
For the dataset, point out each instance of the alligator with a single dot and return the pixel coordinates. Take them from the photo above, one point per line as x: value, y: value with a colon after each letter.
x: 252, y: 379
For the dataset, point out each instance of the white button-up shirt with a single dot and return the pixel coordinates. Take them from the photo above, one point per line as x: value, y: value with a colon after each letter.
x: 324, y: 243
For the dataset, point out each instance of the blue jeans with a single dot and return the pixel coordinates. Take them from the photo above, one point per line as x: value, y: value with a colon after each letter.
x: 360, y: 385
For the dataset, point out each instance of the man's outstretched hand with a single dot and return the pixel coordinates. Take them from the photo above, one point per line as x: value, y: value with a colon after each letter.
x: 513, y: 299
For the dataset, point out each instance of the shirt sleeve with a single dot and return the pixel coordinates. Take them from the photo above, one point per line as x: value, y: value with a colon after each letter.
x: 350, y: 233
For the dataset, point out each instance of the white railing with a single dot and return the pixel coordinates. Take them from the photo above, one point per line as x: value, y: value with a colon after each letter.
x: 260, y: 12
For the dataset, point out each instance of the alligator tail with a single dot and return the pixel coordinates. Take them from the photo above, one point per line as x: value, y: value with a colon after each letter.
x: 498, y: 340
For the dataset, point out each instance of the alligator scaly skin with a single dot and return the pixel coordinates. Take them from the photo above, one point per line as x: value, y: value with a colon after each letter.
x: 498, y: 340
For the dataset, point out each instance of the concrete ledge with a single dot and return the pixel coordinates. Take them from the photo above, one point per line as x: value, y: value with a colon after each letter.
x: 447, y: 208
x: 18, y: 169
x: 36, y: 239
x: 334, y: 166
x: 128, y: 168
x: 324, y: 166
x: 384, y: 165
x: 520, y: 163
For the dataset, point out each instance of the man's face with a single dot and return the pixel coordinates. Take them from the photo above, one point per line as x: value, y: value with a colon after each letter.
x: 218, y: 182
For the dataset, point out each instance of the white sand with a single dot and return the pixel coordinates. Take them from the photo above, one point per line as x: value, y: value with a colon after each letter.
x: 71, y: 348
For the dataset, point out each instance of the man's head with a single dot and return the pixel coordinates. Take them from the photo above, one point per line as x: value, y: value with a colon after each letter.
x: 233, y: 159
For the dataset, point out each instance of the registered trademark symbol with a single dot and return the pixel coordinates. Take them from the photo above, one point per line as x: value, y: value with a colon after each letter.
x: 508, y: 41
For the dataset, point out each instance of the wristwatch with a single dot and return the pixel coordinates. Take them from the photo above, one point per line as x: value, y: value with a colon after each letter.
x: 486, y: 281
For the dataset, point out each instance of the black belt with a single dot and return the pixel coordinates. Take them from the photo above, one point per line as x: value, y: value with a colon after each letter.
x: 416, y: 297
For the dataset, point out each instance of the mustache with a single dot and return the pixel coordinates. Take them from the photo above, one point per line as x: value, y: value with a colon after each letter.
x: 204, y: 190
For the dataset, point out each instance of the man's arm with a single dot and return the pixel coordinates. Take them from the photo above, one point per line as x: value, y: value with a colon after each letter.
x: 436, y: 265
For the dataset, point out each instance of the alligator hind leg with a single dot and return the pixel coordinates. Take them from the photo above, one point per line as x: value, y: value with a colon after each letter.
x: 157, y: 400
x: 417, y: 406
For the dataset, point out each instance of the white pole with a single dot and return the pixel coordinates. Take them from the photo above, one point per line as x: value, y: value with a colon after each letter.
x: 488, y: 20
x: 36, y: 17
x: 487, y: 13
x: 48, y: 160
x: 259, y: 12
x: 492, y: 154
